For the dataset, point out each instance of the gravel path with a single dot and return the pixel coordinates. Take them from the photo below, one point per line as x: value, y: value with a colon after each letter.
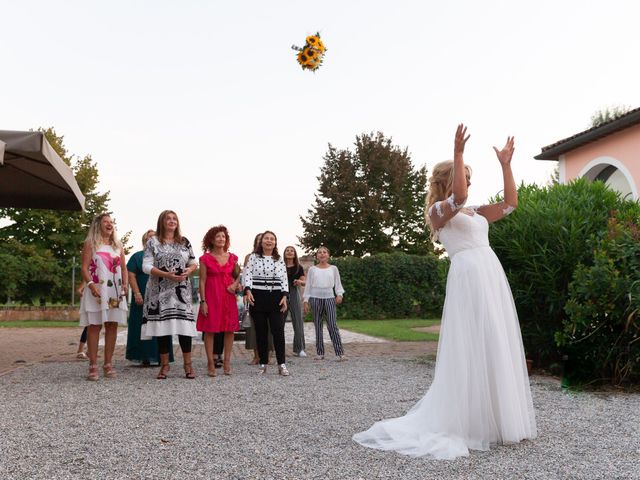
x: 54, y: 424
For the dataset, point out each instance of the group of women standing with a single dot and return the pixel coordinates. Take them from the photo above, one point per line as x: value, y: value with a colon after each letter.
x: 162, y: 303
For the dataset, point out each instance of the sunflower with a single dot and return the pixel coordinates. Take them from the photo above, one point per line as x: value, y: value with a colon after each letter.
x: 313, y: 63
x: 310, y: 52
x: 312, y: 40
x: 320, y: 46
x: 302, y: 59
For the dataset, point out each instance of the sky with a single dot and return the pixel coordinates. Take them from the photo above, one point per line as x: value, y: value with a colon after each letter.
x: 200, y: 106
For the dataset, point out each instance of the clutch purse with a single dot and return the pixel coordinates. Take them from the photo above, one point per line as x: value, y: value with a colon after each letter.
x: 246, y: 319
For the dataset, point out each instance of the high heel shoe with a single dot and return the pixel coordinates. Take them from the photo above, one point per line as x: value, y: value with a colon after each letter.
x: 211, y: 370
x: 189, y: 372
x: 164, y: 369
x: 109, y: 371
x: 93, y: 373
x: 226, y: 368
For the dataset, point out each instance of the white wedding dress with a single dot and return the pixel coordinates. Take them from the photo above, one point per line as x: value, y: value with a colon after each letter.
x: 480, y: 392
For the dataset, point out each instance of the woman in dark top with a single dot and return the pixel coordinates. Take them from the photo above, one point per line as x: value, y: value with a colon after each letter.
x: 295, y: 274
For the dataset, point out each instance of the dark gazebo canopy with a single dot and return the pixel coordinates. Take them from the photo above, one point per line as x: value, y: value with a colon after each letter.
x: 32, y: 175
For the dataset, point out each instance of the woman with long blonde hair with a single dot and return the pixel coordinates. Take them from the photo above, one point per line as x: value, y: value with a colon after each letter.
x: 104, y: 297
x: 480, y: 393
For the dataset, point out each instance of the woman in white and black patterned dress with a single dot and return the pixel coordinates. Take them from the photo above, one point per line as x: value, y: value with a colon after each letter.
x: 168, y: 307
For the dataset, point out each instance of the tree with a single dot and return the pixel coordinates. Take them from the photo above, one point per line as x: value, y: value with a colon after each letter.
x: 369, y: 201
x: 27, y: 281
x: 61, y: 233
x: 607, y: 114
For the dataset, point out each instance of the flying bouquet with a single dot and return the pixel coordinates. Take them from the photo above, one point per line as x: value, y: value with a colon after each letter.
x: 310, y: 56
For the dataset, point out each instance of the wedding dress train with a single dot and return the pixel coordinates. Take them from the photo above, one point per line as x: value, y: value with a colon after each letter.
x: 480, y: 392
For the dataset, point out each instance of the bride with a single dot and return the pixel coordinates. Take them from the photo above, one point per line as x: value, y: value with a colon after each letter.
x: 480, y: 391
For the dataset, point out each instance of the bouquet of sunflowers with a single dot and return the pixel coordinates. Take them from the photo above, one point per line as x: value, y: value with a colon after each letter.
x: 310, y: 56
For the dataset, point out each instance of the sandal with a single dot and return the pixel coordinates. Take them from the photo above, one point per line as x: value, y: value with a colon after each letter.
x: 109, y: 371
x: 93, y: 373
x: 189, y: 372
x: 226, y: 369
x: 211, y: 371
x: 164, y: 369
x: 82, y: 356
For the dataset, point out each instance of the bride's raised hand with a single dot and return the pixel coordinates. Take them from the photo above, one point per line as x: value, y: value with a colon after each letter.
x: 504, y: 155
x: 461, y: 139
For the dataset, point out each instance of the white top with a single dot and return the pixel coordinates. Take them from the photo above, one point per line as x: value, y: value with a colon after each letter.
x: 321, y: 283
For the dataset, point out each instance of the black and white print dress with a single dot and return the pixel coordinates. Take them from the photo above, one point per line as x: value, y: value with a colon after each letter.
x: 168, y: 306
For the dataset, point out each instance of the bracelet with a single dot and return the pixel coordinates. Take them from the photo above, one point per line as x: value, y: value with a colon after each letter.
x: 90, y: 282
x: 137, y: 293
x: 202, y: 301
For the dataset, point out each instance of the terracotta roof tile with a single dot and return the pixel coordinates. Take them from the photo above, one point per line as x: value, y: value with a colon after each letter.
x: 553, y: 151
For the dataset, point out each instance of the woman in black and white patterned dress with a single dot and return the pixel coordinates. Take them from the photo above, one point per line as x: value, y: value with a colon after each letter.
x: 168, y: 307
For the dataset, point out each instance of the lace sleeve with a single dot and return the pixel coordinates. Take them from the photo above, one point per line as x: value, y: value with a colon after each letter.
x: 494, y: 211
x: 449, y: 203
x: 507, y: 209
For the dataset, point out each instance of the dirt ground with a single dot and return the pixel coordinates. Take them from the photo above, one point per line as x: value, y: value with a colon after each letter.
x: 20, y: 347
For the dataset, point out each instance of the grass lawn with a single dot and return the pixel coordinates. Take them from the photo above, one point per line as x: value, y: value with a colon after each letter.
x: 400, y: 330
x: 39, y: 324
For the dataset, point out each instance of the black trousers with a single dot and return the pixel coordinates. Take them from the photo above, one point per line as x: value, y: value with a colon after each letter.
x: 263, y: 321
x: 164, y: 343
x: 218, y: 343
x: 266, y: 314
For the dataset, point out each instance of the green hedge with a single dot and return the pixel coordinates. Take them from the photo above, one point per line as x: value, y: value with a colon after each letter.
x: 554, y: 230
x: 394, y: 285
x: 601, y: 336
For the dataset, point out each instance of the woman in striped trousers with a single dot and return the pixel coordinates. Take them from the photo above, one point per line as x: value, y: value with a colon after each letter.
x: 323, y: 292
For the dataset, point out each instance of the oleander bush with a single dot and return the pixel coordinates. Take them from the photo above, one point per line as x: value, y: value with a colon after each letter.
x: 601, y: 334
x: 544, y: 246
x: 392, y: 285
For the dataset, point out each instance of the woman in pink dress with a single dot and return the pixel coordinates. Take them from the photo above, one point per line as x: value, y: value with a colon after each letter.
x: 219, y: 272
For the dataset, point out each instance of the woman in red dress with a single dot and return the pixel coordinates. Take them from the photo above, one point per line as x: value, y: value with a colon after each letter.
x: 218, y: 284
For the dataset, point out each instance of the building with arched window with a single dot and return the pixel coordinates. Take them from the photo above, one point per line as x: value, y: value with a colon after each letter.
x: 609, y: 152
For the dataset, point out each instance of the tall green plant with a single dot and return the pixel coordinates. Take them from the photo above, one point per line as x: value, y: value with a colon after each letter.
x: 601, y: 334
x: 540, y: 245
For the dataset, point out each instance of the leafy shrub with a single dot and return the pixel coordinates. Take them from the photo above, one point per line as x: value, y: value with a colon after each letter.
x: 541, y: 244
x: 391, y: 285
x: 601, y: 334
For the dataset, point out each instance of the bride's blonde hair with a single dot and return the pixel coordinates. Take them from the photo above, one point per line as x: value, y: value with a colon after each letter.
x: 440, y: 187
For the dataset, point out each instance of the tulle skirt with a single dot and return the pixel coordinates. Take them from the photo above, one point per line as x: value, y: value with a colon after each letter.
x: 480, y: 393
